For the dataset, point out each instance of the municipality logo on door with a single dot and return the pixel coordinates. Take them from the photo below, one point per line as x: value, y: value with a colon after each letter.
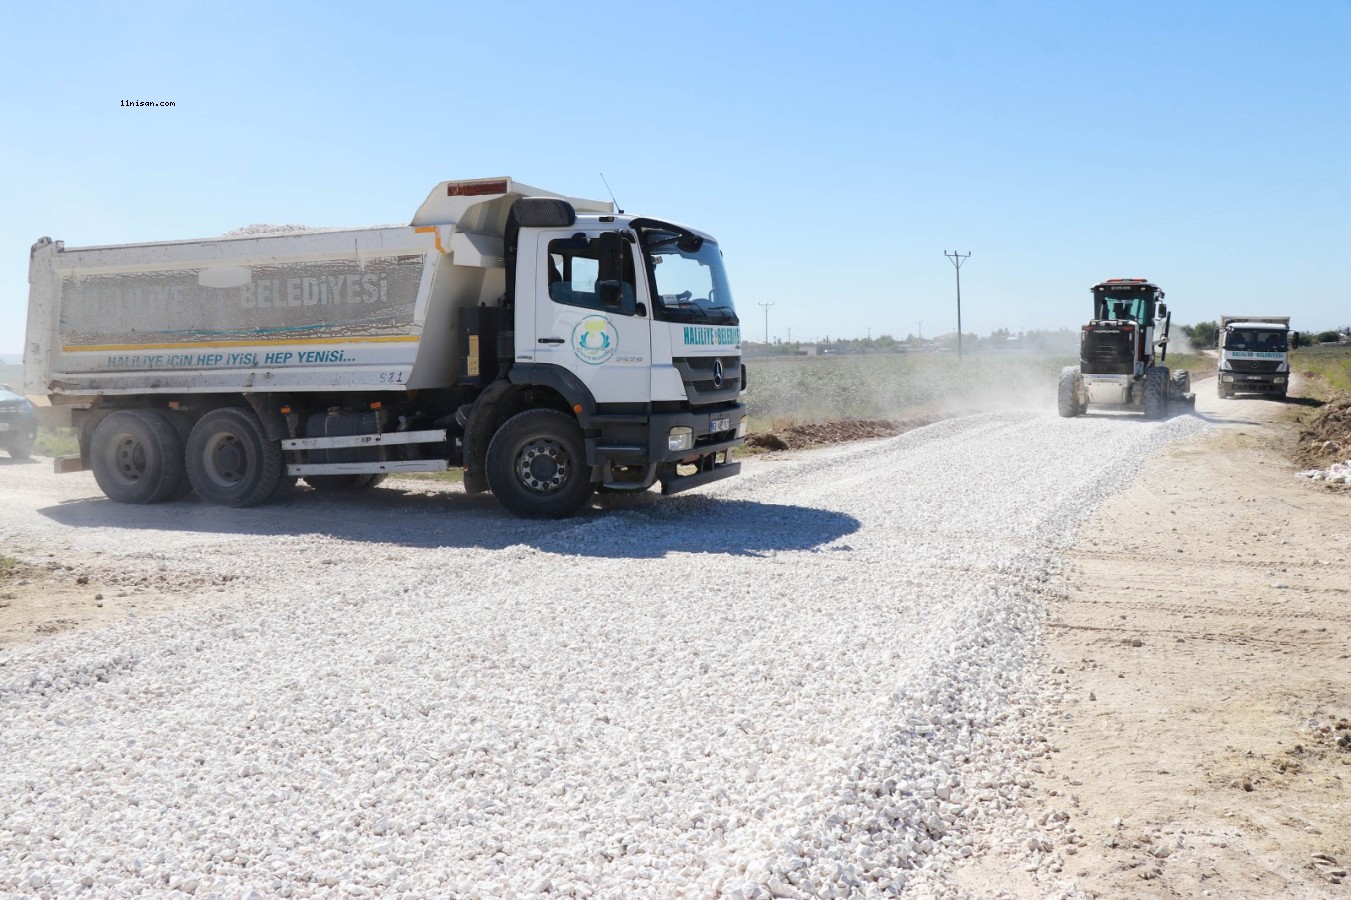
x: 594, y: 340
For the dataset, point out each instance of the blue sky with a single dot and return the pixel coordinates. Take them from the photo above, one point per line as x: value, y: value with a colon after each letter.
x: 835, y: 150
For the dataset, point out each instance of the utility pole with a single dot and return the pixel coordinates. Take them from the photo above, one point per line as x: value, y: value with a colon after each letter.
x: 957, y: 260
x: 766, y: 307
x: 921, y: 330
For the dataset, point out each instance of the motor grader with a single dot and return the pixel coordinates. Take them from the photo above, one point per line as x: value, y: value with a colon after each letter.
x: 1122, y: 353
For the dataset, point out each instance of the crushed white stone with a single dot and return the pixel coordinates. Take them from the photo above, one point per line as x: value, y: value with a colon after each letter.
x: 815, y: 680
x: 1337, y: 473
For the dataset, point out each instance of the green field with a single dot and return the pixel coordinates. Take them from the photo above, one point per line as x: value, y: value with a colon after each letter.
x: 1329, y: 362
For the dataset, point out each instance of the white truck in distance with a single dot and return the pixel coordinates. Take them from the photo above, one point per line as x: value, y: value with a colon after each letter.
x: 546, y: 344
x: 1255, y: 355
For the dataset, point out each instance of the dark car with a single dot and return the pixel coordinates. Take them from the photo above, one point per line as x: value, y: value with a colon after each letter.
x: 18, y: 424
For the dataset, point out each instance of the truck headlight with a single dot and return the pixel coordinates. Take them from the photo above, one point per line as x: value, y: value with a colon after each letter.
x: 680, y: 438
x: 1228, y: 379
x: 741, y: 428
x: 1279, y: 379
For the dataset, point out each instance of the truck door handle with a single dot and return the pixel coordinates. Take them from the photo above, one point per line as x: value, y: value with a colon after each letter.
x: 550, y: 340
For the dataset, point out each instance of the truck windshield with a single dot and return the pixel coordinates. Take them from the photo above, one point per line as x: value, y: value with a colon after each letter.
x: 689, y: 283
x: 1255, y: 339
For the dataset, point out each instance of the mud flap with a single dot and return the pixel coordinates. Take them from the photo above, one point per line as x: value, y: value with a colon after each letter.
x: 677, y: 483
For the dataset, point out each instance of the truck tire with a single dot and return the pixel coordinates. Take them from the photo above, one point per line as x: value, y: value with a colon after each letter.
x: 1069, y: 392
x: 230, y: 460
x: 1156, y: 392
x: 137, y: 456
x: 344, y: 483
x: 1225, y: 393
x: 537, y: 467
x: 22, y: 450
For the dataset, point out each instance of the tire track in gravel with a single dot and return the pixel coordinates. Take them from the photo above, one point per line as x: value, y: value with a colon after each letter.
x: 810, y: 677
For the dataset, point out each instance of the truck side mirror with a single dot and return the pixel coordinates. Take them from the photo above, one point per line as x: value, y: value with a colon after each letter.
x: 1163, y: 309
x: 611, y: 262
x: 610, y: 283
x: 1294, y: 340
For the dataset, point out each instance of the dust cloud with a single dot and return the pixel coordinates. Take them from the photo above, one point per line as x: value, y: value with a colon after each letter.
x: 786, y: 390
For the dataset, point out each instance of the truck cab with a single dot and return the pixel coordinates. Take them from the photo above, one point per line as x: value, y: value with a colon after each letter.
x: 632, y: 319
x: 1255, y: 355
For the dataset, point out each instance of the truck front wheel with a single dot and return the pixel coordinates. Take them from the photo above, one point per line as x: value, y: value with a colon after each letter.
x: 137, y: 456
x: 537, y: 465
x: 230, y: 460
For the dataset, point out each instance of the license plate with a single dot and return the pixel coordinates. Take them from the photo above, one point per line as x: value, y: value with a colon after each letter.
x: 716, y: 425
x: 4, y: 426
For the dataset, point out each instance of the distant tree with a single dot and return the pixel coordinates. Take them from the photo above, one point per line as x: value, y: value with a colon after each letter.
x: 1328, y: 337
x: 1202, y: 335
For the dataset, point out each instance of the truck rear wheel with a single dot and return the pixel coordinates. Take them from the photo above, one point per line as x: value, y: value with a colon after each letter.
x: 537, y: 465
x: 137, y: 456
x: 1069, y: 392
x: 230, y: 460
x: 1156, y: 392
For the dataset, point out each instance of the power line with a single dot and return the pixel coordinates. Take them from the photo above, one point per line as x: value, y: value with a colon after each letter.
x: 957, y: 260
x: 766, y: 308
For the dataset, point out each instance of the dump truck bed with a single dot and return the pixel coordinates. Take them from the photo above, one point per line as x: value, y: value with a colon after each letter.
x: 339, y: 308
x: 323, y: 309
x: 1282, y: 321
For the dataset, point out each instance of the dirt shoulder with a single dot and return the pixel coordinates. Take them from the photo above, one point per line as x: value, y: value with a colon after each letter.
x: 40, y: 600
x: 1205, y: 647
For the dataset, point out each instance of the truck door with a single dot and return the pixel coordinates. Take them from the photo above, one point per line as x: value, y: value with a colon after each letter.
x: 602, y: 334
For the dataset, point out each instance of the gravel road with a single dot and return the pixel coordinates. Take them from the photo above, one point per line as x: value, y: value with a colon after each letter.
x: 814, y: 680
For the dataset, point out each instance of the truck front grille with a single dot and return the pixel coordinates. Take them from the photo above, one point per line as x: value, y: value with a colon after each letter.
x: 1264, y: 366
x: 699, y: 375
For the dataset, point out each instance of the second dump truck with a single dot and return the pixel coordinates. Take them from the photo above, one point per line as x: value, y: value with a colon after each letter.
x: 548, y: 345
x: 1255, y: 355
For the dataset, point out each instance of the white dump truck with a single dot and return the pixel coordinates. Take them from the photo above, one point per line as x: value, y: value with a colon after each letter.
x: 1255, y: 355
x: 548, y: 345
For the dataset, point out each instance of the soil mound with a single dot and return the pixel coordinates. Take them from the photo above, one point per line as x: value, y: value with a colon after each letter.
x: 1326, y: 437
x: 804, y: 436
